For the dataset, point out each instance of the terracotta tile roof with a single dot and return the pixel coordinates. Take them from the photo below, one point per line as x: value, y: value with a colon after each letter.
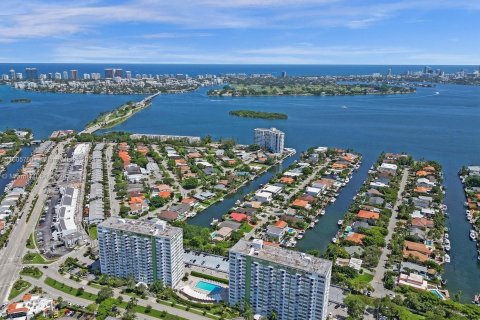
x: 363, y: 214
x: 355, y: 237
x: 300, y: 203
x: 422, y: 189
x: 287, y: 180
x: 239, y: 217
x: 415, y: 246
x: 415, y: 254
x: 422, y: 223
x: 164, y: 194
x: 281, y: 224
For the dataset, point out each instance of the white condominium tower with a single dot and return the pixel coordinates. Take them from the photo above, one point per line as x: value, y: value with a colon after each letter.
x: 271, y: 139
x: 289, y: 283
x: 146, y: 250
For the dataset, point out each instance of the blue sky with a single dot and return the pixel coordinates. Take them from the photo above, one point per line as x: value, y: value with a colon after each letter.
x: 241, y: 31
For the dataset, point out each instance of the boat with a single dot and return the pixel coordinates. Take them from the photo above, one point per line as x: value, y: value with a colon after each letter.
x: 476, y: 299
x: 334, y: 240
x: 315, y: 221
x: 446, y: 235
x: 322, y: 213
x: 299, y: 236
x: 446, y: 258
x: 340, y: 222
x: 332, y: 200
x: 444, y: 282
x: 447, y: 247
x: 473, y: 235
x: 447, y: 242
x: 311, y: 225
x: 214, y: 222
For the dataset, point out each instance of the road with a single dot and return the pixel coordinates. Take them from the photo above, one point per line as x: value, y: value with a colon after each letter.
x: 52, y: 273
x: 114, y: 203
x: 11, y: 256
x: 377, y: 282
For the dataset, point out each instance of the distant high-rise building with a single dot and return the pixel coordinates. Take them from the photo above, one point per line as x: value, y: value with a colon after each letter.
x: 284, y: 74
x: 271, y: 139
x: 12, y: 74
x: 118, y: 73
x: 49, y: 76
x: 389, y: 73
x: 95, y: 76
x: 65, y: 75
x: 128, y: 74
x: 292, y: 284
x: 145, y: 249
x: 58, y: 76
x: 19, y: 76
x: 31, y: 73
x: 74, y: 75
x: 109, y: 73
x: 86, y: 76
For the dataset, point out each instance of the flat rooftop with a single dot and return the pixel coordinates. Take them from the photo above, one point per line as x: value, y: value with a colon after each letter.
x: 293, y: 259
x: 152, y: 228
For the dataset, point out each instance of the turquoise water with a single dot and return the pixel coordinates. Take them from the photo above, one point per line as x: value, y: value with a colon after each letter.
x: 442, y: 127
x: 209, y: 287
x: 438, y: 294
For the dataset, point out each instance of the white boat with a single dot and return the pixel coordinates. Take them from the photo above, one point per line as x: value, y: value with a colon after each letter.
x: 447, y: 242
x: 340, y: 222
x: 332, y: 200
x: 446, y: 235
x: 311, y: 225
x: 315, y: 221
x: 299, y: 236
x: 334, y: 240
x: 322, y: 213
x: 447, y: 247
x: 473, y: 235
x: 214, y: 222
x: 446, y: 258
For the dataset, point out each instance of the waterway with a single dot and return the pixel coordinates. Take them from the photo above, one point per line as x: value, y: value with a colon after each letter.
x: 442, y: 127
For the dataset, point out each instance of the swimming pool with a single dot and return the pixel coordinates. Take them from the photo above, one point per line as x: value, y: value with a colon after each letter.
x: 438, y: 294
x: 209, y: 287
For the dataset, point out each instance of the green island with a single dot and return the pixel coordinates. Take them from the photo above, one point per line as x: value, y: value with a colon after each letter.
x: 258, y: 114
x: 23, y: 100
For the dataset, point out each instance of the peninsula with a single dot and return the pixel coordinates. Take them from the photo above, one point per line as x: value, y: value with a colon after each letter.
x: 119, y: 115
x: 258, y: 114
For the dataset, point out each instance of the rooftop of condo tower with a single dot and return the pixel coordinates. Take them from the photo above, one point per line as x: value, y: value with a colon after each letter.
x: 154, y: 228
x: 280, y: 256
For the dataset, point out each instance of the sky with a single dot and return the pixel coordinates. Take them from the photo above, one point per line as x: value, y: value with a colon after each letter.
x: 241, y: 31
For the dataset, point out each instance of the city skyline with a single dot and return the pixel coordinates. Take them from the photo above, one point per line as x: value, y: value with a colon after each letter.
x: 242, y: 31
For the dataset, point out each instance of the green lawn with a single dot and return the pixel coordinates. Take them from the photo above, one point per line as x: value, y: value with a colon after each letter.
x: 362, y: 280
x: 30, y: 242
x: 69, y: 290
x: 18, y: 287
x: 246, y: 228
x: 31, y: 272
x: 35, y: 258
x: 92, y: 232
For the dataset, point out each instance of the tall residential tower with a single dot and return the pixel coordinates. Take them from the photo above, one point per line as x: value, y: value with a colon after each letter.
x: 271, y: 139
x: 147, y: 250
x: 291, y: 284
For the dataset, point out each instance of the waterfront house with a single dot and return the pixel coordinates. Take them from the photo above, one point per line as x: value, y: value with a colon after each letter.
x: 376, y: 201
x: 359, y: 225
x: 422, y: 223
x: 275, y: 233
x: 313, y: 191
x: 413, y: 280
x: 263, y: 197
x: 230, y: 224
x: 409, y: 267
x: 168, y: 215
x: 388, y: 168
x: 355, y: 238
x: 238, y: 217
x: 369, y: 216
x: 181, y: 209
x: 287, y: 180
x: 302, y: 204
x: 223, y: 234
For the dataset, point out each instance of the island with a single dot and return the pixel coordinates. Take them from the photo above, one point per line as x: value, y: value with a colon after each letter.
x: 23, y: 100
x: 258, y: 114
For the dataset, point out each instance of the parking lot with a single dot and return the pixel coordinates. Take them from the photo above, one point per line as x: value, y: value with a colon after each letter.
x: 205, y: 260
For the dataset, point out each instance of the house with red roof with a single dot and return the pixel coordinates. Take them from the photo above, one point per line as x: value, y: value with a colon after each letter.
x: 239, y: 217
